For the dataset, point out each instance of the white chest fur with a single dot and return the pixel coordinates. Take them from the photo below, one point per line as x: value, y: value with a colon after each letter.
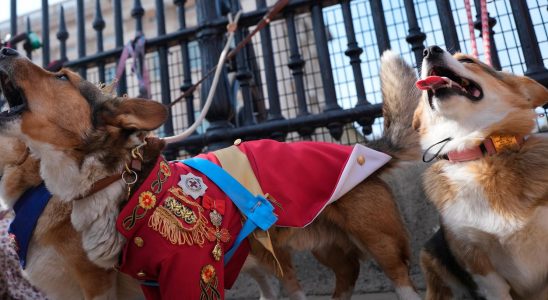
x: 471, y: 209
x: 519, y: 253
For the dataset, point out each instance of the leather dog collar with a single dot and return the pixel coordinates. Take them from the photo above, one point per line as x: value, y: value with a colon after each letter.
x: 490, y: 146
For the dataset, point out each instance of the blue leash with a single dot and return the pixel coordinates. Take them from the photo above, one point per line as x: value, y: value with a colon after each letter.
x: 258, y: 210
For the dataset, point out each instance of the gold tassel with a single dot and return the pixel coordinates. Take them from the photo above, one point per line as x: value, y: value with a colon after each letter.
x: 168, y: 225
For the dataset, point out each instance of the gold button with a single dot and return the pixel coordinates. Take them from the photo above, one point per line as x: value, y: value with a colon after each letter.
x: 361, y: 160
x: 237, y: 142
x: 141, y: 274
x: 139, y: 242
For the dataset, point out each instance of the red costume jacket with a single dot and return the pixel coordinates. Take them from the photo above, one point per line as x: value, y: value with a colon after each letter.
x: 178, y: 224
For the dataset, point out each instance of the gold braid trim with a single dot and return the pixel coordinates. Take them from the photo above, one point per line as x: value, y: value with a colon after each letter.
x: 163, y: 221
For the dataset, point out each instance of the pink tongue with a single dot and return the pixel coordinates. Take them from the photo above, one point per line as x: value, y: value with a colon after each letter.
x: 431, y: 82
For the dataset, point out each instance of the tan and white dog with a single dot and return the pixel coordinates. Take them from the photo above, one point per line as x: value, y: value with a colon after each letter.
x: 82, y: 136
x: 56, y: 262
x: 489, y: 181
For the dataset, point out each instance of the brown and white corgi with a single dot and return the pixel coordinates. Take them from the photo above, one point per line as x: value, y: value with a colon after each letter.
x: 82, y: 136
x: 489, y: 180
x: 56, y: 262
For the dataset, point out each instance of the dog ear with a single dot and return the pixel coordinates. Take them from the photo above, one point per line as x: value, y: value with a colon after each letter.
x: 416, y: 124
x: 133, y: 114
x: 534, y: 92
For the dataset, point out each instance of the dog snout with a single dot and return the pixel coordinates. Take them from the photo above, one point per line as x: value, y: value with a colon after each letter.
x: 8, y: 52
x: 432, y: 52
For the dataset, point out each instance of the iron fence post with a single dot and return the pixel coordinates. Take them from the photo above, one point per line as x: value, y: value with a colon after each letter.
x: 119, y: 41
x: 296, y: 65
x: 62, y: 35
x: 27, y: 46
x: 354, y: 52
x: 81, y: 35
x: 99, y: 24
x: 318, y: 24
x: 164, y: 72
x: 13, y: 20
x: 187, y: 75
x: 45, y: 33
x: 379, y: 22
x: 211, y: 42
x: 243, y: 74
x: 271, y: 80
x: 448, y: 26
x: 415, y: 37
x: 529, y: 42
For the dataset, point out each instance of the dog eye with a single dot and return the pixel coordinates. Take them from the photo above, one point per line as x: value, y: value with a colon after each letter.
x: 62, y: 77
x: 466, y: 60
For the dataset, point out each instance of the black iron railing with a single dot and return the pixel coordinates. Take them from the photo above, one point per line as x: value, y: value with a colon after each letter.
x: 310, y: 74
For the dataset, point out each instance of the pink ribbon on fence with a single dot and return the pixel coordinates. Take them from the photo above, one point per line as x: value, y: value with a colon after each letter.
x: 484, y: 30
x: 136, y: 50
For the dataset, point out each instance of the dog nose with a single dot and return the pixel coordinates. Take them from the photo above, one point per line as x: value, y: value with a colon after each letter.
x: 9, y: 52
x: 432, y: 51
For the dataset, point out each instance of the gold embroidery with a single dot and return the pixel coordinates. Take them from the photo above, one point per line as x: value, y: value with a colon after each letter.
x: 178, y: 192
x: 169, y: 226
x: 164, y: 168
x: 180, y: 210
x: 164, y: 171
x: 209, y: 284
x: 130, y: 220
x: 147, y: 200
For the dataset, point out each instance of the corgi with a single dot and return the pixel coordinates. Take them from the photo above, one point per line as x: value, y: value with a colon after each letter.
x: 488, y: 180
x: 56, y: 263
x: 83, y: 136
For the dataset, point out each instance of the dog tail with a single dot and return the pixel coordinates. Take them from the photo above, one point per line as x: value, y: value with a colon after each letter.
x: 400, y: 98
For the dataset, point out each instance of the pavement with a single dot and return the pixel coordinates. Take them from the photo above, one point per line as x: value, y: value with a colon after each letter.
x: 368, y: 296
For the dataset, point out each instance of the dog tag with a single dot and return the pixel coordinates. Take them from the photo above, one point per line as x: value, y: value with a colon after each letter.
x: 502, y: 142
x: 192, y: 185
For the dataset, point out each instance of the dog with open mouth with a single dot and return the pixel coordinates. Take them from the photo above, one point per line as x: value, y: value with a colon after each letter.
x: 85, y: 139
x: 489, y: 180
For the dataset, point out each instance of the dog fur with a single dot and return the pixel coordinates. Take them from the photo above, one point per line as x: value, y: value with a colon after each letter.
x: 82, y: 135
x: 494, y: 210
x: 55, y: 244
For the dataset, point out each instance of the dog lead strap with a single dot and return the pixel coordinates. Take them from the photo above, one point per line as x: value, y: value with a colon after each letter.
x: 258, y: 210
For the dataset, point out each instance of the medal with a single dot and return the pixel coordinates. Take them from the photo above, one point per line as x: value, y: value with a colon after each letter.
x: 216, y: 234
x: 192, y: 185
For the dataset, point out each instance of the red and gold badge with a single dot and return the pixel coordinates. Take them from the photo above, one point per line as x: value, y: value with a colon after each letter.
x: 165, y: 169
x: 147, y: 200
x: 209, y: 283
x: 208, y: 273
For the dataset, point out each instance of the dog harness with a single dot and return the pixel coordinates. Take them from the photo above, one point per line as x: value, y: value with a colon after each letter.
x: 28, y: 209
x: 184, y: 223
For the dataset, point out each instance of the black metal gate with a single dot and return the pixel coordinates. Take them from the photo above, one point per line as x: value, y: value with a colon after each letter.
x: 311, y: 74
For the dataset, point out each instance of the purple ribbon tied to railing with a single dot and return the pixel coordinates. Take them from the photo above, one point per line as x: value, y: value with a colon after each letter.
x: 135, y: 49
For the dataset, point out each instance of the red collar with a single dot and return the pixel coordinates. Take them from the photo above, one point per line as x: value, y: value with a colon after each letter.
x: 490, y: 146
